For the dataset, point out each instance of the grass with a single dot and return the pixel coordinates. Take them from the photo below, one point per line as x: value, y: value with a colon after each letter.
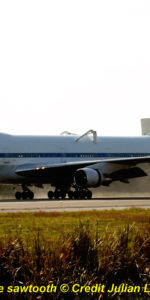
x: 53, y: 226
x: 78, y: 247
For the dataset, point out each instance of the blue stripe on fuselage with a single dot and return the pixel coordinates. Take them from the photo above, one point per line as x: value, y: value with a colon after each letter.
x: 81, y: 155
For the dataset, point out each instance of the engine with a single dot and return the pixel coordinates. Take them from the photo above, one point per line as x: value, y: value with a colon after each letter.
x: 88, y: 177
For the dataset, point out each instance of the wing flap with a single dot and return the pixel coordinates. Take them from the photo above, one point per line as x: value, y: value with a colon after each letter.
x: 128, y: 173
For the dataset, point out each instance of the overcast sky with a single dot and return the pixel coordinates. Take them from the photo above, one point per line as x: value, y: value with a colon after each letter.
x: 74, y: 65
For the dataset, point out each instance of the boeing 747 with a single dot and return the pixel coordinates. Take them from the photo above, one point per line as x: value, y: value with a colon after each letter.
x: 71, y: 164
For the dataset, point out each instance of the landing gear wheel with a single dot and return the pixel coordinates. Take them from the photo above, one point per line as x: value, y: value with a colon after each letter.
x: 76, y: 195
x: 56, y: 195
x: 30, y: 195
x: 88, y: 194
x: 50, y: 195
x: 71, y: 195
x: 62, y: 195
x: 18, y: 195
x: 25, y: 195
x: 82, y: 194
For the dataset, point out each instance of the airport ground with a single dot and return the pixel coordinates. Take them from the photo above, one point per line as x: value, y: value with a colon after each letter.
x: 117, y: 196
x: 72, y: 205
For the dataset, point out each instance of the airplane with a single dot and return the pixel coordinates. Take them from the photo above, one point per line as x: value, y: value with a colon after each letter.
x: 71, y: 163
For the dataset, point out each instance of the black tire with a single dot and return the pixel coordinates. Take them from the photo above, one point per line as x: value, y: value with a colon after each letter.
x: 76, y: 195
x: 18, y: 195
x: 62, y: 195
x: 56, y: 195
x: 89, y: 194
x: 30, y: 195
x: 70, y: 194
x: 25, y: 195
x: 50, y: 195
x: 82, y: 194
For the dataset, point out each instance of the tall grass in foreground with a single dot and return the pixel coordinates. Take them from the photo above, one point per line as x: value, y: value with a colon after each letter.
x: 119, y: 257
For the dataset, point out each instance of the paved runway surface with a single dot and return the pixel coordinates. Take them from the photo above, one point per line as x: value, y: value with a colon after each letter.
x: 71, y: 205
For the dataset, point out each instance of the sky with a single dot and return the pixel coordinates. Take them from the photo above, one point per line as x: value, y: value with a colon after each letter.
x: 74, y: 65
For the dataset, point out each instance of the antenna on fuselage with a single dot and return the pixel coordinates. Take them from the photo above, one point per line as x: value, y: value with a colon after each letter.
x: 68, y: 133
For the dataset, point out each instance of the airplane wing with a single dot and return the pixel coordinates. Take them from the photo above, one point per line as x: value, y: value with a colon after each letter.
x: 39, y: 169
x: 48, y: 170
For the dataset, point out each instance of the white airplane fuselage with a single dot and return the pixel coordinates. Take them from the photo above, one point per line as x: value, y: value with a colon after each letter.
x: 22, y: 150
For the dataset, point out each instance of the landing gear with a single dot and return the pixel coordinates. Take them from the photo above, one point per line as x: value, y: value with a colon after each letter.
x: 58, y: 194
x: 80, y: 194
x: 71, y: 195
x: 26, y: 194
x: 77, y: 194
x: 18, y: 195
x: 50, y: 195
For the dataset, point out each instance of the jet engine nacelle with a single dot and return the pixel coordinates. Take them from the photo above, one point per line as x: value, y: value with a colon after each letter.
x: 88, y: 177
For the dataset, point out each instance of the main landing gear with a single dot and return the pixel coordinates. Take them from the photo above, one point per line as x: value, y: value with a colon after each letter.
x: 26, y: 194
x: 80, y: 194
x: 58, y: 194
x: 77, y: 194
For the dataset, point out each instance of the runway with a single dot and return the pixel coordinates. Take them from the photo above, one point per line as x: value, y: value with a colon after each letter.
x: 72, y: 205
